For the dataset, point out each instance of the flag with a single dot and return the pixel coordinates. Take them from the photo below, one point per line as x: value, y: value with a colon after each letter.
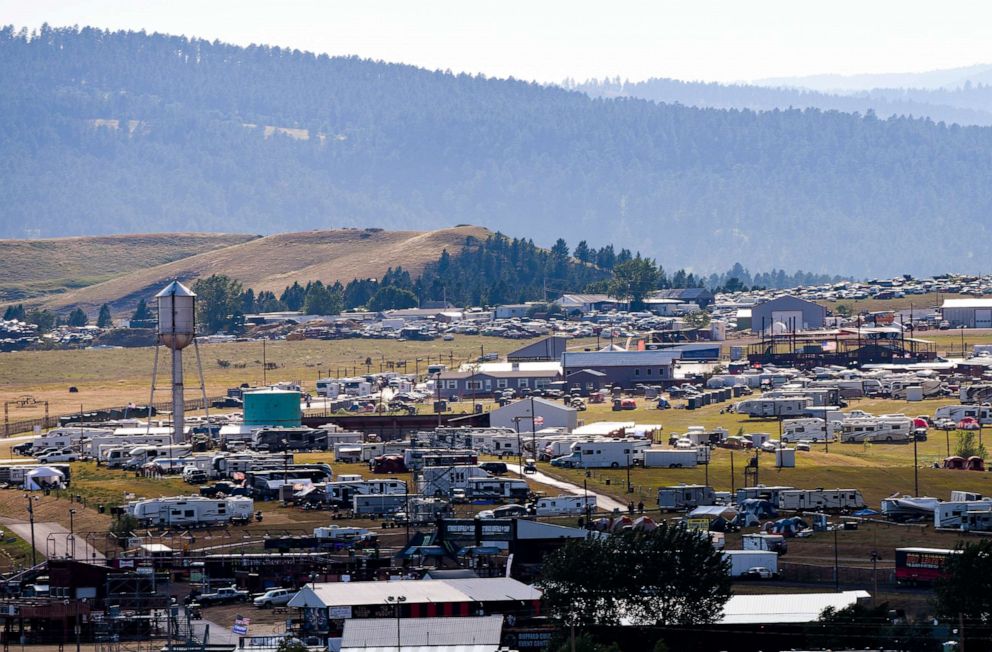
x: 241, y: 626
x: 538, y: 421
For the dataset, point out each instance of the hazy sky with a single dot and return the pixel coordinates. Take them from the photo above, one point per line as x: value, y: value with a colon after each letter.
x: 726, y: 40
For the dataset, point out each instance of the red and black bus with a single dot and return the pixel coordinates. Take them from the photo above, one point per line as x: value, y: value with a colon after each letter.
x: 921, y: 565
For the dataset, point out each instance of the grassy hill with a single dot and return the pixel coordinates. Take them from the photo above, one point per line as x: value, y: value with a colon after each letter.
x: 30, y: 269
x: 262, y: 263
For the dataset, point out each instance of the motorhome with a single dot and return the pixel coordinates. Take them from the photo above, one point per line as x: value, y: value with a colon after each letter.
x: 97, y: 447
x: 854, y: 387
x: 890, y: 429
x: 342, y: 492
x: 603, y: 453
x: 773, y: 407
x: 190, y: 511
x: 820, y: 499
x: 674, y: 458
x: 266, y: 483
x: 564, y: 505
x: 982, y: 413
x: 512, y: 489
x: 928, y: 388
x: 685, y: 496
x: 225, y: 465
x: 811, y: 429
x: 440, y: 480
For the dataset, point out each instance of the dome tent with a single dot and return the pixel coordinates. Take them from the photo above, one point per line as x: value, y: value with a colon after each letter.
x: 43, y: 477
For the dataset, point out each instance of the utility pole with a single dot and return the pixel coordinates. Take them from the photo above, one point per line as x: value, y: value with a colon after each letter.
x: 836, y: 562
x: 34, y: 552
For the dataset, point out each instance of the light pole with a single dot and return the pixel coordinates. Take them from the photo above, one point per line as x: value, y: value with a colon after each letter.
x: 34, y: 553
x: 916, y: 468
x: 397, y: 600
x: 836, y: 562
x: 72, y: 535
x: 874, y: 572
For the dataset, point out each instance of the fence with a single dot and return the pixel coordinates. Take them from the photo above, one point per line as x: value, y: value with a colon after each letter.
x: 100, y: 414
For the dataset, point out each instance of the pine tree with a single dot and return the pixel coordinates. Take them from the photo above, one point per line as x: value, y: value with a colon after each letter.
x: 104, y: 320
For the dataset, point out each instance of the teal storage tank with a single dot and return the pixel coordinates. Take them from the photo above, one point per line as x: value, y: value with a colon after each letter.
x: 272, y: 407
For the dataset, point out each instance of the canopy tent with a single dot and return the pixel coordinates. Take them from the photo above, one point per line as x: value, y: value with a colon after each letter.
x: 43, y: 477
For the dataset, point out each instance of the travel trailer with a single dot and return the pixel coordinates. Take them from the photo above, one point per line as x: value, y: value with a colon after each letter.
x: 956, y: 413
x: 564, y: 505
x: 816, y: 430
x: 674, y: 458
x: 61, y: 438
x: 441, y: 480
x: 190, y: 511
x: 773, y: 407
x: 511, y: 489
x: 820, y: 499
x: 952, y: 514
x: 343, y: 491
x: 685, y: 496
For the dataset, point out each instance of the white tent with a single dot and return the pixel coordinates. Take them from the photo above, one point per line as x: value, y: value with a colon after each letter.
x: 43, y: 477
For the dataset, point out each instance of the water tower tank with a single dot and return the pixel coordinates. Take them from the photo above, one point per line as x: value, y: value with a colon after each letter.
x: 272, y: 407
x: 176, y: 316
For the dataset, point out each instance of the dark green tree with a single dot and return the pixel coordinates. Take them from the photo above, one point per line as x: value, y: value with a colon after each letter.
x: 632, y: 280
x: 966, y: 589
x: 582, y: 252
x: 141, y: 312
x: 104, y: 319
x: 321, y: 300
x: 44, y: 319
x: 392, y: 298
x: 869, y: 627
x: 293, y: 296
x: 15, y: 312
x: 77, y: 318
x: 669, y: 576
x: 217, y: 299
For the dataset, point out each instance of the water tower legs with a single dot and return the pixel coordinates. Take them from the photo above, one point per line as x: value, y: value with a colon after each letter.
x: 178, y: 402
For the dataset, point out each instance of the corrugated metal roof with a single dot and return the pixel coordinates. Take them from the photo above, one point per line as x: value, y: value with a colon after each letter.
x: 344, y: 594
x: 464, y: 633
x: 785, y: 607
x: 577, y: 359
x: 967, y: 303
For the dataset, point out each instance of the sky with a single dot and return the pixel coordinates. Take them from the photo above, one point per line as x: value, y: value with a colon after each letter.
x: 551, y: 40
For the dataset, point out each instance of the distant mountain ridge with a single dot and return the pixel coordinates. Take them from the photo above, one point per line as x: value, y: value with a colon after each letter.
x: 943, y: 79
x: 403, y: 148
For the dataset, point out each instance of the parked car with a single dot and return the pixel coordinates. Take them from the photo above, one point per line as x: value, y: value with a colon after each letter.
x: 225, y: 595
x: 64, y: 455
x: 274, y: 598
x: 495, y: 468
x: 758, y: 573
x: 22, y: 448
x: 506, y: 511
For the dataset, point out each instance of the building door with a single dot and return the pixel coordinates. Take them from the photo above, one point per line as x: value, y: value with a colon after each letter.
x: 983, y: 318
x: 791, y: 319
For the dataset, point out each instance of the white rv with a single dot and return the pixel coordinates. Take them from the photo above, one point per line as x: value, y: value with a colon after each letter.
x: 812, y: 429
x: 820, y: 499
x: 685, y: 496
x: 190, y: 511
x: 564, y: 505
x: 888, y: 428
x: 440, y: 480
x: 957, y: 412
x: 97, y: 446
x: 343, y: 491
x: 603, y: 453
x: 61, y: 438
x: 498, y: 488
x: 141, y: 455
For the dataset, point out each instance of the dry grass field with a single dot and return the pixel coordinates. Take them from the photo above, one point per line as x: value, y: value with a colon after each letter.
x: 276, y: 261
x: 36, y: 268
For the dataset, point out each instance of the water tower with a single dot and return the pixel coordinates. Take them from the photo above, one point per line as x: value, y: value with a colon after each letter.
x: 176, y: 330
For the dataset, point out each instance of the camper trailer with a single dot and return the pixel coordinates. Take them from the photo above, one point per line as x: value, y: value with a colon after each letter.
x: 889, y: 429
x: 380, y: 504
x: 685, y: 496
x: 141, y: 455
x: 61, y: 438
x: 416, y: 458
x: 816, y: 430
x: 97, y: 447
x: 190, y: 511
x: 773, y: 407
x: 603, y: 453
x: 820, y: 499
x: 760, y: 492
x: 503, y: 489
x: 564, y: 505
x: 956, y: 413
x: 343, y: 491
x: 225, y: 465
x: 952, y: 513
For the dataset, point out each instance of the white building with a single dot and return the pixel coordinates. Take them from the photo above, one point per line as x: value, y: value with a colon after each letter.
x: 546, y: 414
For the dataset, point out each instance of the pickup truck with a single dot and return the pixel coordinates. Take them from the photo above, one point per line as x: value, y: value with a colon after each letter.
x: 225, y: 595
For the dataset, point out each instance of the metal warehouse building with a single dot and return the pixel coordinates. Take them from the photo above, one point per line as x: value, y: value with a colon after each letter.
x: 973, y: 313
x: 787, y: 314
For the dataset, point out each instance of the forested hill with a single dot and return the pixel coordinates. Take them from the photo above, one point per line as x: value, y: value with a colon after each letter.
x: 965, y: 105
x: 130, y: 132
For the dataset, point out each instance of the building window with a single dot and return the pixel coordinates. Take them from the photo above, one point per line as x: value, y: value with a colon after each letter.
x: 473, y: 384
x: 542, y: 382
x: 501, y: 383
x: 649, y: 371
x: 523, y: 382
x: 452, y: 384
x: 637, y: 372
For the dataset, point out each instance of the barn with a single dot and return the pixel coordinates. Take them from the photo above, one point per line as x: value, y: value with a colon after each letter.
x: 971, y: 313
x: 787, y: 314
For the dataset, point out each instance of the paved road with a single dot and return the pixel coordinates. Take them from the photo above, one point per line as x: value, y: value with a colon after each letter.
x: 602, y: 502
x: 52, y: 539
